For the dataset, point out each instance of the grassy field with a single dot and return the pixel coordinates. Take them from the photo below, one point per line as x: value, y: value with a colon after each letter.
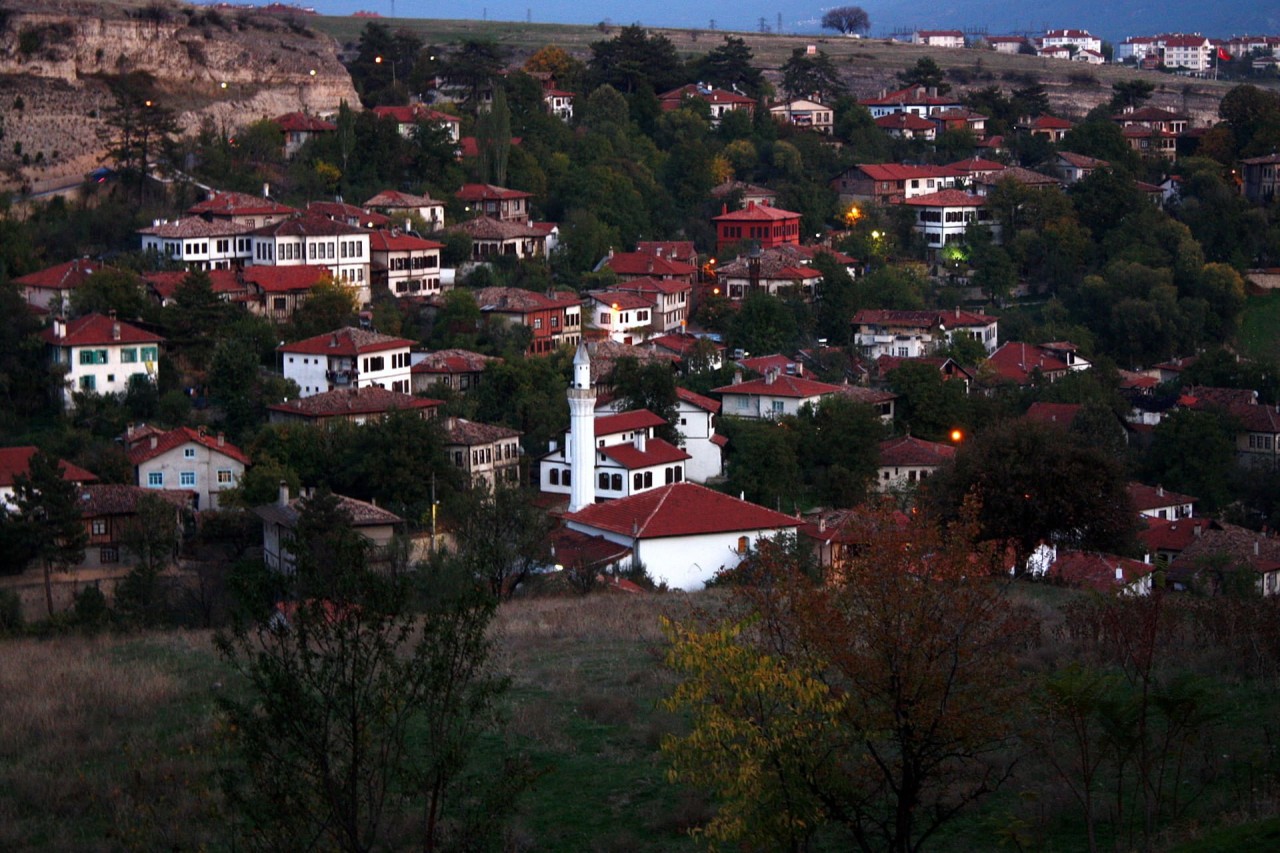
x: 1260, y: 327
x: 113, y: 742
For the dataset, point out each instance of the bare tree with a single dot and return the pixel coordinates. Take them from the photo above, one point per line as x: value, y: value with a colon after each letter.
x: 846, y: 19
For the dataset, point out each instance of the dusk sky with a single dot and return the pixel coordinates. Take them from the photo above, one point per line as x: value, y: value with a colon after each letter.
x: 1105, y: 18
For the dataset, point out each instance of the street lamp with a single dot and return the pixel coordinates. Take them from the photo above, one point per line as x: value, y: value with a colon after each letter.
x: 379, y: 60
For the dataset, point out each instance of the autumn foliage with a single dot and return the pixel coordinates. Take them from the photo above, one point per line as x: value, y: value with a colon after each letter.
x: 875, y: 702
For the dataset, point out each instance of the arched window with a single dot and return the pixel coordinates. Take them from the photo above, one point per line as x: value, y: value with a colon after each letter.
x: 555, y: 476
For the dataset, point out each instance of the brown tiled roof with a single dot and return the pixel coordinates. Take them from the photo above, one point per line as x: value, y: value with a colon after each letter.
x: 391, y: 241
x: 1082, y: 161
x: 1229, y: 541
x: 508, y: 300
x: 195, y: 226
x: 297, y: 122
x: 117, y: 499
x: 143, y: 450
x: 782, y: 386
x: 488, y: 228
x: 910, y: 95
x: 362, y: 514
x: 1097, y: 571
x: 1061, y: 414
x: 342, y: 211
x: 947, y: 198
x: 904, y: 121
x: 453, y: 361
x: 348, y: 341
x: 1016, y: 361
x: 353, y: 401
x: 486, y: 192
x: 307, y: 226
x: 396, y: 199
x: 951, y: 319
x: 470, y: 433
x: 620, y: 299
x: 870, y: 396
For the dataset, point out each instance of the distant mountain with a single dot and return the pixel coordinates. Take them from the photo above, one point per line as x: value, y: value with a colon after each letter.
x: 1110, y: 20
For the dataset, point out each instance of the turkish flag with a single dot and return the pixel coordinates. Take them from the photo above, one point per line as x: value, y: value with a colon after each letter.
x: 1223, y: 56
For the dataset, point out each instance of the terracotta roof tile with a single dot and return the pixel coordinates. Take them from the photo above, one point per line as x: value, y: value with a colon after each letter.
x: 469, y: 433
x: 65, y: 276
x: 1154, y: 497
x: 17, y: 460
x: 782, y: 386
x: 908, y: 450
x: 143, y: 450
x: 94, y: 329
x: 353, y: 401
x: 680, y: 509
x: 347, y: 341
x: 656, y: 452
x: 238, y: 204
x: 117, y: 499
x: 626, y: 422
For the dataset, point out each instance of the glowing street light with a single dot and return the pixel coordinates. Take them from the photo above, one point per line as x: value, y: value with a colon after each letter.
x: 957, y: 436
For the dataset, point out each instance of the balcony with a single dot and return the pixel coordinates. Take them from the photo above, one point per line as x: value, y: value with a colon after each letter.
x: 342, y: 377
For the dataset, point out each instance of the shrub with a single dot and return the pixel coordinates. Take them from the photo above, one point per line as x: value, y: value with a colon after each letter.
x: 10, y: 612
x: 91, y: 609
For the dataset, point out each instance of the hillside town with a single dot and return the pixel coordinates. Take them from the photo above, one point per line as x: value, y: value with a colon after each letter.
x: 631, y: 323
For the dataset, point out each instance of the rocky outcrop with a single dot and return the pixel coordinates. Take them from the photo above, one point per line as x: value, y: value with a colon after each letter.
x: 229, y: 67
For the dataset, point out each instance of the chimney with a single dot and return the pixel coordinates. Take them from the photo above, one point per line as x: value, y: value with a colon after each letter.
x: 266, y: 190
x: 154, y: 441
x: 770, y: 375
x: 1196, y: 529
x: 129, y: 430
x: 333, y: 339
x: 222, y: 439
x: 115, y: 325
x: 1120, y: 573
x: 737, y: 377
x: 1159, y: 490
x: 1257, y: 548
x: 822, y: 524
x: 283, y: 497
x: 59, y: 327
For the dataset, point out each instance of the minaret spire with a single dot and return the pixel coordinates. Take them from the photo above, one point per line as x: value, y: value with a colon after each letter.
x: 582, y: 433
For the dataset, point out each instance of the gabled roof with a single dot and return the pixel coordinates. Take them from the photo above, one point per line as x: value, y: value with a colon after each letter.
x: 796, y: 387
x: 362, y: 514
x: 1082, y: 161
x: 17, y: 460
x: 144, y: 451
x: 1019, y: 175
x: 895, y: 172
x: 65, y: 276
x: 976, y: 164
x: 667, y: 248
x: 656, y: 452
x: 97, y: 329
x: 620, y: 300
x: 636, y: 419
x: 221, y: 203
x: 953, y: 319
x: 1049, y: 123
x: 1154, y: 497
x: 343, y: 211
x: 488, y: 228
x: 298, y: 122
x: 710, y: 95
x: 908, y: 451
x: 414, y: 113
x: 867, y: 396
x: 370, y: 400
x: 680, y: 344
x: 347, y: 341
x: 680, y: 509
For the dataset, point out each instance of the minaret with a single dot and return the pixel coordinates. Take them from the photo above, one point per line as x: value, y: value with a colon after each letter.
x: 582, y: 433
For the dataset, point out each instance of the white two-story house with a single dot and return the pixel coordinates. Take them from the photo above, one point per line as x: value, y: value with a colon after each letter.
x: 186, y: 459
x: 317, y: 241
x: 201, y: 244
x: 347, y: 358
x: 100, y: 354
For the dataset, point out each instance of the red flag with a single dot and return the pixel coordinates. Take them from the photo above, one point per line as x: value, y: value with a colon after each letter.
x: 1223, y: 56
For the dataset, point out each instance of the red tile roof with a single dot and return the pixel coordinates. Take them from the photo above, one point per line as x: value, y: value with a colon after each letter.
x: 195, y: 226
x: 389, y: 241
x: 908, y: 450
x: 151, y: 446
x: 645, y: 264
x: 756, y: 213
x: 17, y: 460
x: 627, y: 422
x: 573, y: 548
x: 905, y: 121
x: 1016, y: 361
x: 95, y: 329
x: 342, y: 211
x: 238, y: 204
x: 680, y: 509
x: 397, y: 199
x: 273, y: 279
x: 914, y: 95
x: 413, y: 113
x: 1061, y: 414
x: 704, y: 403
x: 66, y: 276
x: 782, y: 386
x: 453, y: 361
x: 1098, y: 571
x: 354, y: 401
x: 656, y: 452
x: 347, y: 341
x: 953, y: 319
x: 469, y: 433
x: 297, y: 122
x: 895, y: 172
x: 620, y: 300
x: 117, y: 499
x: 671, y: 100
x: 514, y: 300
x: 488, y: 192
x: 681, y: 344
x: 307, y: 225
x: 1155, y: 497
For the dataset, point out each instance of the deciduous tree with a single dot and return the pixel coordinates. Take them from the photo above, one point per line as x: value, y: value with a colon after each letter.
x: 846, y: 19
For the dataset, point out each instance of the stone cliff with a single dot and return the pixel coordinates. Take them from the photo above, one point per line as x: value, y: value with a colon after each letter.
x: 227, y: 67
